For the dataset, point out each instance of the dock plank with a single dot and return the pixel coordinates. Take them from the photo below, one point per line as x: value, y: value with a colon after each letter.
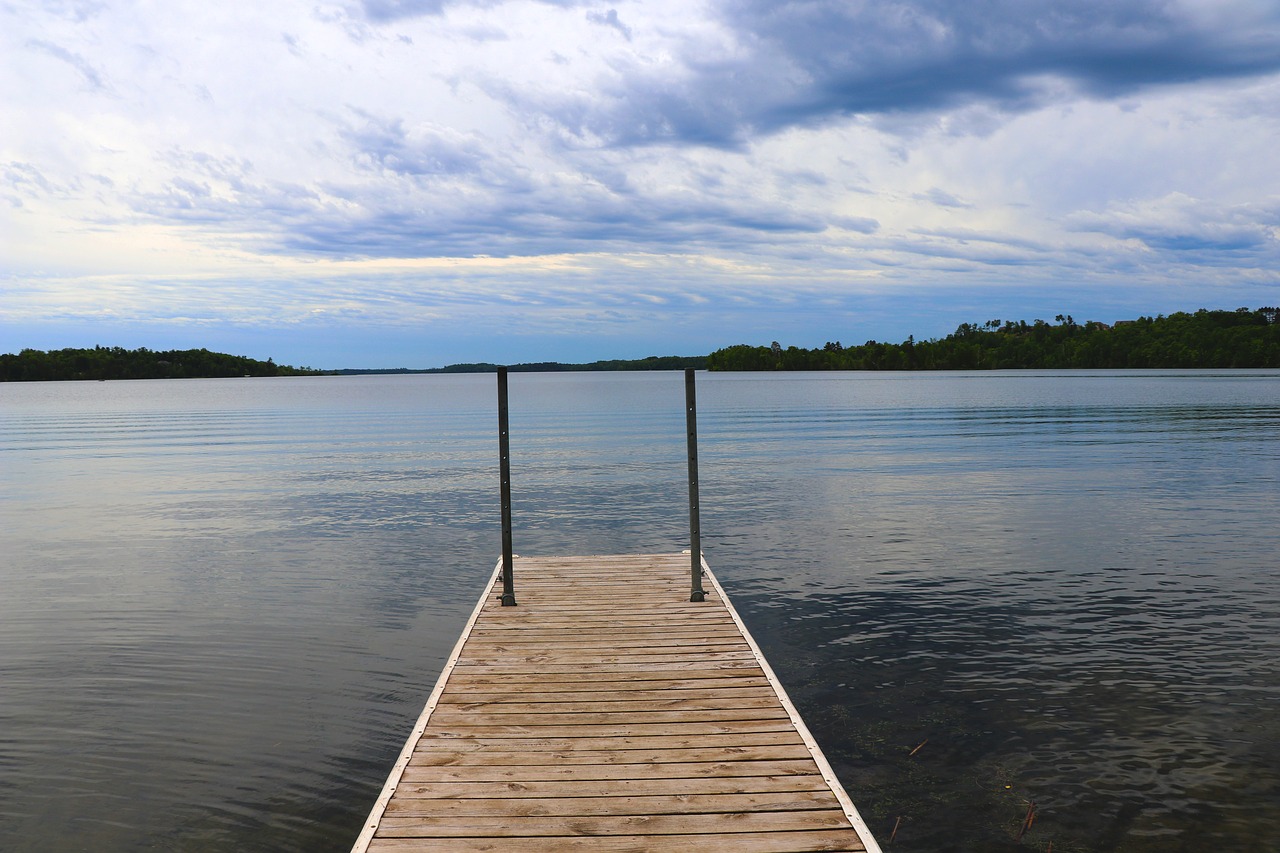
x: 655, y: 804
x: 833, y: 841
x: 553, y: 744
x: 421, y: 774
x: 604, y: 713
x: 454, y: 826
x: 610, y: 756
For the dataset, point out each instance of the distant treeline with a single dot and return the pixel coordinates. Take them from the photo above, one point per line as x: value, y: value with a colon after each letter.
x: 653, y: 362
x: 32, y: 365
x: 1205, y: 339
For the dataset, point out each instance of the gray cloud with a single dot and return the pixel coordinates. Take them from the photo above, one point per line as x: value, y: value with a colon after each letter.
x: 86, y: 70
x: 942, y: 198
x: 610, y: 19
x: 76, y: 10
x: 384, y: 11
x: 19, y: 181
x: 800, y: 64
x: 385, y: 144
x: 381, y: 11
x: 291, y: 41
x: 433, y: 192
x: 860, y: 224
x: 965, y: 253
x: 1186, y: 226
x: 550, y: 219
x: 224, y: 194
x: 966, y: 236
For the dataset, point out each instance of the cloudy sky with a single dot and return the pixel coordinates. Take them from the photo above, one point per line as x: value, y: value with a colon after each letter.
x: 344, y: 183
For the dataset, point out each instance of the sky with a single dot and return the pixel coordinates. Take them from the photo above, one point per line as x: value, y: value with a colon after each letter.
x: 415, y: 183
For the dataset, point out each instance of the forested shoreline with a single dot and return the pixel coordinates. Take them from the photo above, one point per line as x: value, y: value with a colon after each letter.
x: 103, y: 363
x: 1204, y: 339
x: 652, y: 362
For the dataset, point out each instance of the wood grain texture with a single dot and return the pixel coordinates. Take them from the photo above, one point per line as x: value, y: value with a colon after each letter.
x: 606, y: 712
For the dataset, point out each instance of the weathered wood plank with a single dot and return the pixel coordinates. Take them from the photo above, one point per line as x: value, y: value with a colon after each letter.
x: 556, y: 681
x: 458, y: 730
x: 557, y: 660
x: 650, y: 805
x: 715, y: 635
x: 610, y: 703
x: 672, y: 634
x: 422, y: 774
x: 451, y: 716
x: 634, y: 643
x: 608, y: 713
x: 554, y: 744
x: 512, y: 758
x: 570, y: 624
x: 613, y: 690
x: 614, y: 787
x: 579, y: 669
x: 833, y: 841
x: 732, y: 823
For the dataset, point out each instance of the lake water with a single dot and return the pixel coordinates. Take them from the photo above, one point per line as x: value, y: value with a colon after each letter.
x: 224, y: 602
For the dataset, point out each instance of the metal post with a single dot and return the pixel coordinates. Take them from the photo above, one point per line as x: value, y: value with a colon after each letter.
x: 696, y: 592
x: 504, y: 458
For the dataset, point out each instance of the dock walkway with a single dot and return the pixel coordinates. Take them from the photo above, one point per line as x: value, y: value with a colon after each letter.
x: 606, y: 712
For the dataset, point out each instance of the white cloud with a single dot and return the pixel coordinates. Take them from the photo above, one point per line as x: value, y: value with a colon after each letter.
x: 864, y: 151
x: 1180, y: 224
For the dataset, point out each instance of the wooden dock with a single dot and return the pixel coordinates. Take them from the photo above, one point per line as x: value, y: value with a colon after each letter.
x: 606, y: 712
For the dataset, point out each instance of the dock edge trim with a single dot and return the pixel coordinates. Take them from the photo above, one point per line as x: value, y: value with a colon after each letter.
x: 397, y: 770
x: 828, y: 775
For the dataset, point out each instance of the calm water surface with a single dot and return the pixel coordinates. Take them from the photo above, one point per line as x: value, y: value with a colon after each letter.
x: 224, y: 602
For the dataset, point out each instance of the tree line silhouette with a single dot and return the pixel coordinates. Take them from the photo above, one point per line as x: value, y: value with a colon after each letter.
x: 1204, y: 339
x: 33, y: 365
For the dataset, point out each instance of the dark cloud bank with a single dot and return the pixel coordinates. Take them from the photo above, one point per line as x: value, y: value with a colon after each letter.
x: 798, y: 64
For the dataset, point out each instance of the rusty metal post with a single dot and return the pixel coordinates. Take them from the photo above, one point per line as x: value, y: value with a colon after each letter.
x: 504, y: 459
x: 696, y: 593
